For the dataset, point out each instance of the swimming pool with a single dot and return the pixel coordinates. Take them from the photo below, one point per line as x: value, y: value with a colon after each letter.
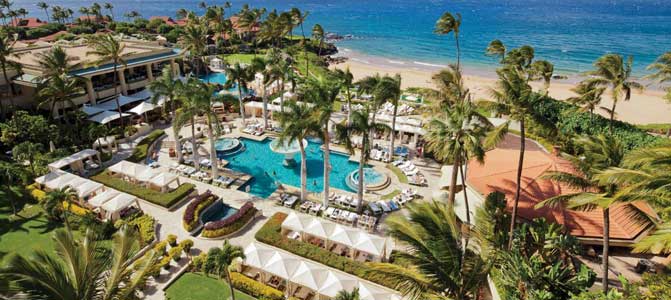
x: 218, y: 211
x: 266, y: 167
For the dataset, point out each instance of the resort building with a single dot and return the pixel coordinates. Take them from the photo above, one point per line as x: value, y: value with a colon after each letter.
x: 169, y: 21
x: 144, y: 62
x: 499, y: 173
x: 27, y: 23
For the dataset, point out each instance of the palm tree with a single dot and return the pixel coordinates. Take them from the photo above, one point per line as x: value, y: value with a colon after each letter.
x: 205, y: 96
x: 219, y: 260
x: 318, y: 35
x: 54, y: 62
x: 361, y: 124
x: 262, y: 65
x: 168, y: 88
x: 662, y: 67
x: 435, y: 264
x: 589, y: 96
x: 382, y: 88
x: 110, y: 7
x: 27, y: 151
x: 12, y: 176
x: 82, y: 269
x: 345, y: 295
x: 7, y: 53
x: 322, y: 92
x: 298, y: 122
x: 393, y: 99
x: 107, y: 49
x: 613, y: 71
x: 239, y: 76
x: 194, y: 40
x: 55, y: 201
x: 59, y: 89
x: 515, y: 98
x: 85, y: 11
x: 347, y: 80
x: 599, y: 154
x: 187, y: 113
x: 448, y: 23
x: 496, y: 48
x: 299, y: 19
x: 44, y: 6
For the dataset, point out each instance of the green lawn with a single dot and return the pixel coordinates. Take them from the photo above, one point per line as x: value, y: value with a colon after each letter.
x: 192, y: 286
x: 239, y: 58
x: 26, y: 232
x: 163, y: 199
x: 391, y: 195
x: 401, y: 177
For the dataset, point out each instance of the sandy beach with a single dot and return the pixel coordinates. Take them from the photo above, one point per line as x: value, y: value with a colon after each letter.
x: 644, y: 108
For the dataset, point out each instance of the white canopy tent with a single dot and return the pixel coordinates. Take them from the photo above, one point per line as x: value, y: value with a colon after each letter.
x: 60, y: 179
x: 115, y: 205
x: 74, y: 158
x: 103, y: 197
x: 142, y: 108
x: 163, y: 180
x: 129, y: 169
x: 107, y: 116
x: 123, y: 100
x: 42, y: 180
x: 319, y: 278
x: 91, y: 110
x: 87, y: 188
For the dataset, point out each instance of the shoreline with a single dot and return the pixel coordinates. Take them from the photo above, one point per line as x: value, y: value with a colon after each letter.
x: 645, y: 107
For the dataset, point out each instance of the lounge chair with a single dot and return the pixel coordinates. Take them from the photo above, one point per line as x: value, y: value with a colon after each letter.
x: 291, y: 201
x: 375, y: 208
x: 393, y: 205
x: 384, y: 206
x: 229, y: 181
x: 335, y: 214
x: 411, y: 172
x: 329, y: 211
x: 398, y: 162
x: 315, y: 208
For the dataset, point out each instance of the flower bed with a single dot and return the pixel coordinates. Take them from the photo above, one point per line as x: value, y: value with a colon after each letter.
x: 141, y: 150
x: 163, y: 199
x: 255, y: 288
x: 230, y: 224
x: 192, y: 213
x: 270, y: 234
x: 145, y: 225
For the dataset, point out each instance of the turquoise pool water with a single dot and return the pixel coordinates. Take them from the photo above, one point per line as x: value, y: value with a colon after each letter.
x: 220, y: 211
x: 266, y: 167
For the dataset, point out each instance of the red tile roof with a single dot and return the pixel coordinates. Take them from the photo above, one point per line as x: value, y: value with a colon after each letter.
x: 28, y: 22
x: 236, y: 25
x: 499, y: 173
x: 170, y: 21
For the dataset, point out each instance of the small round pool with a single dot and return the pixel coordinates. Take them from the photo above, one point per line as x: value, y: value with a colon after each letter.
x: 218, y: 211
x: 227, y: 146
x: 373, y: 180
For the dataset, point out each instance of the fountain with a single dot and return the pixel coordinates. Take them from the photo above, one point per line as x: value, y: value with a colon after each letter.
x: 288, y: 149
x: 372, y: 180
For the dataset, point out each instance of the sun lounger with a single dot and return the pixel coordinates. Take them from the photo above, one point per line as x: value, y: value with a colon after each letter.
x: 229, y: 181
x: 335, y: 214
x: 329, y: 211
x: 398, y: 162
x: 315, y: 208
x: 375, y: 208
x: 291, y: 201
x: 393, y: 205
x: 411, y: 172
x: 305, y: 206
x: 384, y: 206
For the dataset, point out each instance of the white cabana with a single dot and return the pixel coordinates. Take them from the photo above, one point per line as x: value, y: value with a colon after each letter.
x: 296, y: 222
x: 64, y: 181
x: 142, y: 108
x: 322, y: 280
x: 127, y: 168
x: 146, y: 175
x: 114, y: 206
x: 100, y: 199
x: 42, y: 180
x: 319, y: 229
x: 73, y: 159
x: 163, y: 180
x: 87, y: 188
x: 106, y: 117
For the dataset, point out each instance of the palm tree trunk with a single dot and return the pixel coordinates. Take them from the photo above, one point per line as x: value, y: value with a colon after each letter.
x: 456, y: 39
x: 606, y: 244
x: 362, y: 162
x: 194, y: 145
x: 307, y: 65
x: 520, y: 165
x: 349, y: 107
x: 304, y: 172
x: 242, y: 108
x: 213, y: 151
x: 612, y: 117
x: 11, y: 86
x: 265, y: 108
x: 116, y: 97
x: 393, y: 132
x: 327, y: 163
x: 453, y: 180
x: 178, y: 144
x: 230, y: 284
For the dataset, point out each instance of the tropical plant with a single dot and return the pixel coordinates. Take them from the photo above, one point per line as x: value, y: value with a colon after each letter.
x: 107, y: 48
x: 345, y: 295
x: 360, y: 124
x: 191, y: 108
x: 110, y: 7
x: 613, y: 71
x: 7, y: 53
x: 662, y: 74
x: 220, y: 259
x: 59, y: 90
x: 382, y: 89
x: 599, y: 153
x: 81, y: 269
x: 298, y: 122
x: 44, y: 6
x: 55, y: 202
x: 448, y: 23
x: 347, y: 82
x: 496, y: 48
x: 299, y: 19
x: 194, y: 41
x: 318, y: 35
x: 167, y: 88
x: 54, y: 62
x: 589, y: 96
x: 436, y: 264
x: 27, y: 152
x: 12, y: 176
x: 239, y: 76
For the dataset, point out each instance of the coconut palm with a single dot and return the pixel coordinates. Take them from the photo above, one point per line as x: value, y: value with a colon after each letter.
x: 347, y: 82
x: 27, y: 151
x: 262, y: 65
x: 205, y: 96
x: 394, y: 100
x: 382, y: 89
x: 611, y: 70
x: 81, y: 268
x: 448, y: 23
x: 110, y: 7
x: 107, y: 48
x: 599, y: 154
x: 662, y: 74
x: 298, y: 122
x: 496, y: 48
x: 194, y: 41
x: 435, y: 265
x: 7, y: 53
x: 589, y: 96
x: 345, y: 295
x: 239, y: 76
x: 168, y: 88
x: 322, y: 92
x: 44, y: 6
x: 318, y: 35
x: 219, y: 260
x: 59, y: 90
x: 12, y: 176
x: 299, y: 19
x: 187, y: 114
x: 54, y: 62
x: 362, y: 125
x: 57, y: 203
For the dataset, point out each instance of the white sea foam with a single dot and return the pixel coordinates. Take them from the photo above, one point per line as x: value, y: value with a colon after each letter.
x: 428, y: 64
x: 360, y: 60
x: 397, y: 62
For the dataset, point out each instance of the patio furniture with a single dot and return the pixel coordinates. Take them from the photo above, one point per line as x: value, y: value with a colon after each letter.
x: 291, y: 201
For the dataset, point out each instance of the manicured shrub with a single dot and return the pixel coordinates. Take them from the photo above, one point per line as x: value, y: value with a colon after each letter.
x: 230, y: 224
x: 172, y: 240
x: 254, y: 288
x: 175, y: 253
x: 270, y: 234
x: 144, y: 224
x: 141, y: 150
x: 35, y: 192
x: 198, y: 261
x: 156, y: 197
x: 186, y: 244
x: 160, y: 247
x: 193, y: 210
x: 165, y: 262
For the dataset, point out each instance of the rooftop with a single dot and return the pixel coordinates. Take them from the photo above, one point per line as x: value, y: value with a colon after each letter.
x: 28, y: 22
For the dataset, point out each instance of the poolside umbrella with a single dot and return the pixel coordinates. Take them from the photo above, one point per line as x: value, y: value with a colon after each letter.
x: 310, y: 275
x: 258, y: 257
x: 282, y: 265
x: 369, y: 291
x: 336, y: 282
x: 143, y: 108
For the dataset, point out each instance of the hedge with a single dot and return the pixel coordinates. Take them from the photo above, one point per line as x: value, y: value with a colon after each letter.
x: 270, y: 234
x: 156, y: 197
x: 36, y: 193
x: 254, y: 288
x: 145, y: 225
x: 192, y: 213
x: 230, y: 224
x: 141, y: 150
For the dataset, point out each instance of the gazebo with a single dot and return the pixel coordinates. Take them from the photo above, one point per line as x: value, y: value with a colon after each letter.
x: 78, y: 161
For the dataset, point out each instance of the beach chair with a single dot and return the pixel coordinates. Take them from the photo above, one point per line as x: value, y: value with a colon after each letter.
x: 393, y: 205
x: 375, y: 208
x: 384, y: 206
x: 229, y: 181
x: 291, y: 201
x: 398, y: 162
x: 335, y: 214
x: 314, y: 210
x: 329, y: 211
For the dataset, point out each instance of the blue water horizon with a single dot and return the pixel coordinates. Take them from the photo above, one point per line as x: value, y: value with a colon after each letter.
x: 569, y: 33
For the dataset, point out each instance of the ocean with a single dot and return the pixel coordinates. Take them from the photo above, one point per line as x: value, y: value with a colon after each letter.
x: 569, y: 33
